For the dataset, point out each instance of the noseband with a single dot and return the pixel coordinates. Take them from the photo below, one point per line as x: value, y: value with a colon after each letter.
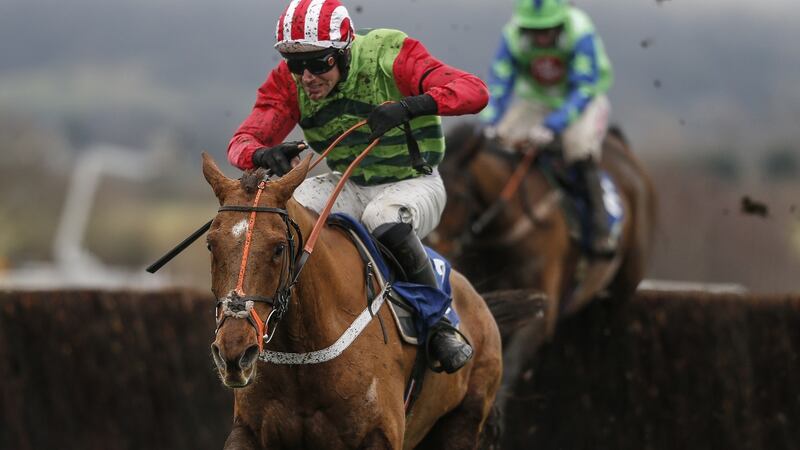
x: 239, y: 304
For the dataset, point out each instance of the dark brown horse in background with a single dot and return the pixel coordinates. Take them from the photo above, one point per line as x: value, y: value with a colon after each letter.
x: 356, y: 399
x: 528, y: 244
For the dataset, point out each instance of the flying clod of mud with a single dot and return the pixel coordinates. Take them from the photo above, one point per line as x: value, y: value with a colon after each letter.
x: 754, y: 207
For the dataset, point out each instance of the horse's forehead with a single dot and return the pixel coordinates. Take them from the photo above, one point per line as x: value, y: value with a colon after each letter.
x: 239, y: 228
x: 267, y: 226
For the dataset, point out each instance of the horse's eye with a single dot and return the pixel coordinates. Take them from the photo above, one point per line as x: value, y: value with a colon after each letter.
x: 279, y: 250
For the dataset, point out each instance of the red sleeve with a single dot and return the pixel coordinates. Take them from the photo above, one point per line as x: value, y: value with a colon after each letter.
x: 274, y: 115
x: 456, y: 92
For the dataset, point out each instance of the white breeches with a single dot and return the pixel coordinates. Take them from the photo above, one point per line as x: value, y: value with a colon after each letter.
x: 418, y: 201
x: 583, y: 139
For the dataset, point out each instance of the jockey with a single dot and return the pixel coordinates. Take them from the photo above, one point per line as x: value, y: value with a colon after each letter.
x: 552, y: 59
x: 329, y: 80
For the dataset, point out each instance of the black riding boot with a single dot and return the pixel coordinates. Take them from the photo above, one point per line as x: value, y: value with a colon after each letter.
x: 602, y: 244
x: 446, y: 344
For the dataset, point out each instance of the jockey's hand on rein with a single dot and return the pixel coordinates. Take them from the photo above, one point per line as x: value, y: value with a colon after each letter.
x: 278, y: 159
x: 541, y: 136
x: 393, y: 114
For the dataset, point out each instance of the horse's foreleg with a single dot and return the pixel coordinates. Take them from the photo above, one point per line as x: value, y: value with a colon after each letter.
x: 551, y: 279
x: 523, y: 345
x: 517, y: 355
x: 241, y: 438
x: 460, y: 428
x: 629, y: 274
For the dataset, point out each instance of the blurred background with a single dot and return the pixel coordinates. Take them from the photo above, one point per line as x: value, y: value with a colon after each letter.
x: 105, y: 107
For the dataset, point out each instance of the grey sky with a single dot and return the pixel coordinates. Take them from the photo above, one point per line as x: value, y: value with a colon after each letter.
x: 726, y: 71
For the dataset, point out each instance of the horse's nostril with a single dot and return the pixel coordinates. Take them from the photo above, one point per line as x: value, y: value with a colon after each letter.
x: 218, y: 359
x: 248, y: 357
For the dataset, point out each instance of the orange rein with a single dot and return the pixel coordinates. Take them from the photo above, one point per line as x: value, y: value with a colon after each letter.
x: 248, y: 238
x: 519, y: 174
x: 508, y: 191
x: 323, y: 216
x: 336, y: 142
x: 260, y: 325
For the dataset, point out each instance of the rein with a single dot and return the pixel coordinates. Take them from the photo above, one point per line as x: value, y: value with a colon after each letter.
x: 240, y: 305
x: 280, y: 301
x: 508, y: 192
x: 323, y: 216
x: 416, y: 161
x: 161, y: 262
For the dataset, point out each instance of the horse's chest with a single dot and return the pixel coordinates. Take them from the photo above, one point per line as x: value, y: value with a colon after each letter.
x: 296, y: 431
x: 328, y: 415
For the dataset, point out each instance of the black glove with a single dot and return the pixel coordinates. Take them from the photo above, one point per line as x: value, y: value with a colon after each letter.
x: 389, y: 115
x: 278, y: 159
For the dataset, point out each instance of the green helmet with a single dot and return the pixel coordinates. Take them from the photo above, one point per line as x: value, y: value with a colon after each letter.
x: 540, y: 13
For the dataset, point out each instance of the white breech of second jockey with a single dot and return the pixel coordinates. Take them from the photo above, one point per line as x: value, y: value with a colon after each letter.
x: 581, y: 140
x: 418, y: 201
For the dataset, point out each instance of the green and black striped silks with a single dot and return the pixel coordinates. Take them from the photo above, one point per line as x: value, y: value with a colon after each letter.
x: 370, y: 82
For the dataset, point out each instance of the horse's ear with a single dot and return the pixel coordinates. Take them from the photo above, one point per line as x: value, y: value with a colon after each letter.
x: 218, y: 181
x: 285, y: 186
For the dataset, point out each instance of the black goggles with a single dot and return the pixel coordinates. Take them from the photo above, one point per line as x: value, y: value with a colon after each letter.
x: 316, y: 65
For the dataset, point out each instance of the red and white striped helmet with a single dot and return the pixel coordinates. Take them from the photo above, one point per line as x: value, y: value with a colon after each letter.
x: 311, y: 25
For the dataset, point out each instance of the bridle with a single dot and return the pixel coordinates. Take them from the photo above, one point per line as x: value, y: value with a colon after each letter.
x: 241, y: 305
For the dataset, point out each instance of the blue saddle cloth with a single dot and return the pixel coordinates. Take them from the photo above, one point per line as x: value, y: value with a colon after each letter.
x: 577, y: 205
x: 430, y: 304
x: 614, y: 212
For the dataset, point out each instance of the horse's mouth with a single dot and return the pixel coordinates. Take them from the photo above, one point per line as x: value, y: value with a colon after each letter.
x: 236, y: 380
x: 237, y: 385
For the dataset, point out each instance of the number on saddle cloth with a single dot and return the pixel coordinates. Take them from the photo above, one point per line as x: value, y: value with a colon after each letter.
x: 574, y: 203
x: 429, y: 304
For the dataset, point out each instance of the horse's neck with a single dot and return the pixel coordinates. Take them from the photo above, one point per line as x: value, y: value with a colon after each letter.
x: 325, y: 292
x: 495, y: 170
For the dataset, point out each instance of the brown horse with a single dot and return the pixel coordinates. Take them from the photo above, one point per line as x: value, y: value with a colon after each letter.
x: 529, y: 244
x: 353, y: 400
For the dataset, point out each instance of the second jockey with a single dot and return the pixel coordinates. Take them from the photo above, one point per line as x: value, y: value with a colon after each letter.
x: 330, y: 79
x: 554, y: 63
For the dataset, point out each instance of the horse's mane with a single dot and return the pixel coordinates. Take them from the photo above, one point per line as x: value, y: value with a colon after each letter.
x: 251, y: 178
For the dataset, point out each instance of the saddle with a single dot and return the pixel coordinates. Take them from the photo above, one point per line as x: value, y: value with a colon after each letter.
x: 414, y: 307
